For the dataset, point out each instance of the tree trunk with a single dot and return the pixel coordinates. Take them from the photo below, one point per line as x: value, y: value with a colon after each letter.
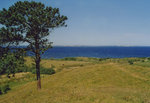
x: 37, y: 61
x: 38, y: 73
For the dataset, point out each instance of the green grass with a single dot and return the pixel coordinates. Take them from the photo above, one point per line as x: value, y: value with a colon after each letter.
x: 88, y: 80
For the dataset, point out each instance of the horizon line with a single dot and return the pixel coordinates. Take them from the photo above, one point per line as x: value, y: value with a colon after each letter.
x: 98, y: 45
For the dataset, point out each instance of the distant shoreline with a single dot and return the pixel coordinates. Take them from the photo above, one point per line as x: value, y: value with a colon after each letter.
x: 100, y: 46
x: 89, y: 46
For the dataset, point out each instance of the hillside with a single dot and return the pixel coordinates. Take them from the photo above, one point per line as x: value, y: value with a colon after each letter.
x: 88, y: 80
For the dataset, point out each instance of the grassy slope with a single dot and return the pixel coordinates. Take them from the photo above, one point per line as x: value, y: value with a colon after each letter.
x: 87, y: 82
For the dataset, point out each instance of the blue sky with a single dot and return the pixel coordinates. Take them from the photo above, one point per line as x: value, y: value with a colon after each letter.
x: 100, y: 22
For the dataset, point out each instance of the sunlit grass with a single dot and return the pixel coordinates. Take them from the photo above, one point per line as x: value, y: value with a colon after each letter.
x: 83, y: 81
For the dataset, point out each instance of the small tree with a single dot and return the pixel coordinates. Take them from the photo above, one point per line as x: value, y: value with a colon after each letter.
x: 11, y: 63
x: 31, y: 22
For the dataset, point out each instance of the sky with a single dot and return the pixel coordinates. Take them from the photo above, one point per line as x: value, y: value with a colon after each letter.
x: 100, y: 22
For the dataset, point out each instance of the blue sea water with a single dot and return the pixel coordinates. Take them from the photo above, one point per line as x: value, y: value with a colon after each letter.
x: 98, y: 52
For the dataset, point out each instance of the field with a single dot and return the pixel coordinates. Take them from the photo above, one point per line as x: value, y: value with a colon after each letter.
x: 83, y: 80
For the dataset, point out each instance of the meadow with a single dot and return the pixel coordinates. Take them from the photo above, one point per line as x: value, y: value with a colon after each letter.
x: 83, y: 80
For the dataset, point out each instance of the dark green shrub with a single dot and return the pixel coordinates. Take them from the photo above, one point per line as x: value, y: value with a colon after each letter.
x: 70, y: 58
x: 5, y: 88
x: 130, y: 62
x: 11, y: 63
x: 148, y: 58
x: 142, y: 61
x: 102, y: 59
x: 48, y: 71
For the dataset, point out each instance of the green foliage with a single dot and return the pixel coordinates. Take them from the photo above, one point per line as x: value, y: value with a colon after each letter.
x: 11, y: 63
x: 48, y: 71
x: 31, y: 23
x: 142, y: 61
x: 70, y: 58
x: 102, y: 59
x: 148, y: 58
x: 2, y: 50
x: 4, y: 89
x: 130, y: 62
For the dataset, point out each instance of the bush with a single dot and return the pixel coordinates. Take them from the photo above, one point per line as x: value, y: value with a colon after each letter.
x: 102, y: 59
x: 130, y: 62
x: 142, y: 61
x: 48, y: 71
x: 4, y: 89
x: 148, y: 58
x: 11, y: 63
x: 70, y: 58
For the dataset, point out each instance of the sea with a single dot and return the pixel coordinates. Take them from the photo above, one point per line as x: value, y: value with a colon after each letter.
x: 97, y: 52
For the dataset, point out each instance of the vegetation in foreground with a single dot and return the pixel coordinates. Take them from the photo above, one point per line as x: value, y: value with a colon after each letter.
x: 86, y: 80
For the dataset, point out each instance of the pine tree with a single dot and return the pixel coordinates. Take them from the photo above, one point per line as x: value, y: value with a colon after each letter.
x: 30, y: 22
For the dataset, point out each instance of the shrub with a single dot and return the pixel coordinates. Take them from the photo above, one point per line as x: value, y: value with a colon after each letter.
x: 130, y: 62
x: 11, y: 63
x: 70, y: 58
x: 48, y: 71
x: 4, y: 89
x: 142, y: 61
x: 148, y: 58
x: 102, y: 59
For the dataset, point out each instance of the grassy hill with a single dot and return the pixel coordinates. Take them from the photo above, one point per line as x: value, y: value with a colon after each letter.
x: 87, y: 80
